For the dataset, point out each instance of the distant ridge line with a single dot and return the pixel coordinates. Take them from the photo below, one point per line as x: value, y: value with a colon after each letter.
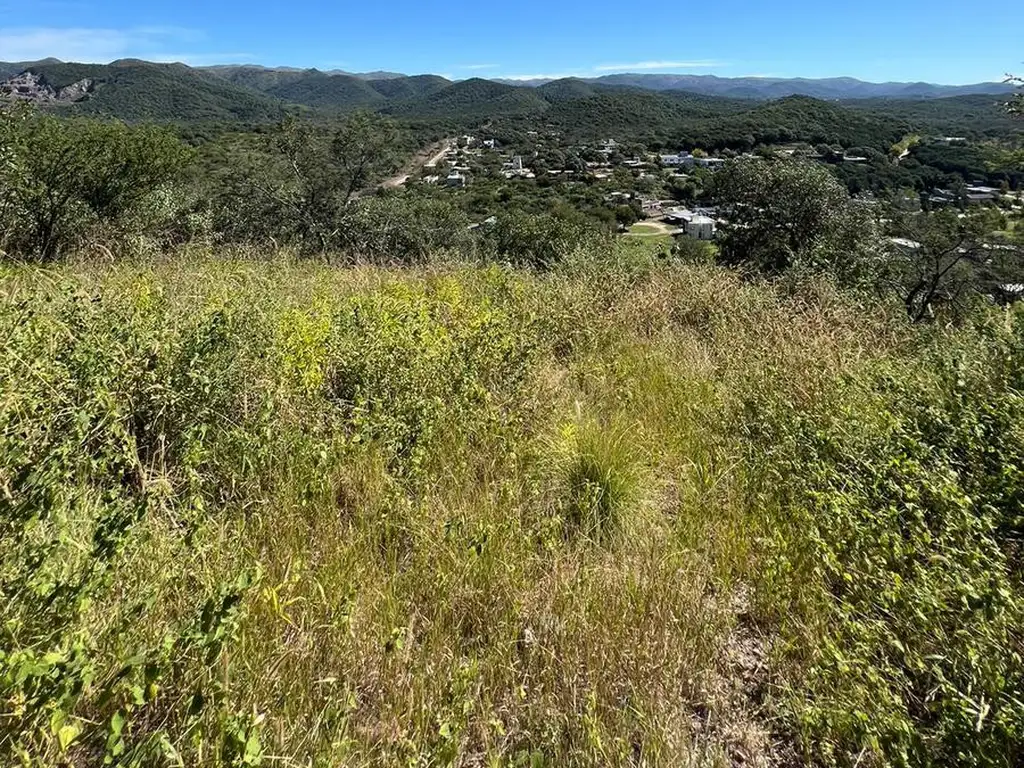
x: 841, y: 88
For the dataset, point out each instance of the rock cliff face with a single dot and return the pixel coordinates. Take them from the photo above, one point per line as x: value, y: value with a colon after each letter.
x: 28, y: 86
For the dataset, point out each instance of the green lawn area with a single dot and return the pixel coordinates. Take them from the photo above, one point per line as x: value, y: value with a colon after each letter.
x: 645, y: 229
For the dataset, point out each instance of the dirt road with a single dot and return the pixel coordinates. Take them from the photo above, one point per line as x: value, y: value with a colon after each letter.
x: 427, y: 158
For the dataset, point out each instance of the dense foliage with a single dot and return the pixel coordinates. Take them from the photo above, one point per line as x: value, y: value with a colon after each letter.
x: 135, y: 90
x: 625, y: 513
x: 139, y: 90
x: 786, y: 217
x: 63, y: 181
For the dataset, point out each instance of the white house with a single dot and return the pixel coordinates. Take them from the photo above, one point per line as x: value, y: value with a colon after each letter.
x: 680, y: 159
x: 710, y: 162
x: 701, y: 228
x: 692, y: 224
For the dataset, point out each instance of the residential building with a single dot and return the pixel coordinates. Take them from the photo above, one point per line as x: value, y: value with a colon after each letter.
x: 701, y: 228
x: 680, y: 159
x: 713, y: 163
x: 692, y: 224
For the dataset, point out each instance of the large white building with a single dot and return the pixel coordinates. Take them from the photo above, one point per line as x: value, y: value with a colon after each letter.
x: 701, y: 228
x: 694, y: 225
x: 682, y: 159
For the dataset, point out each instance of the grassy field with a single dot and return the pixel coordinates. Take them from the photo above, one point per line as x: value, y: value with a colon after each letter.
x: 641, y: 228
x: 625, y: 513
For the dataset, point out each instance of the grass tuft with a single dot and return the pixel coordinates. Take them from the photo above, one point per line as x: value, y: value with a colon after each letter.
x: 601, y: 477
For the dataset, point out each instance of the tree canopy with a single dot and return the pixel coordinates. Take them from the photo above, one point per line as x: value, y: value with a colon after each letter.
x: 786, y: 215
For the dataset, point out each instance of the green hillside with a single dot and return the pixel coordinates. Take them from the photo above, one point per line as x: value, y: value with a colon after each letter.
x: 800, y: 118
x: 138, y: 90
x: 623, y: 113
x: 328, y: 92
x: 474, y: 99
x: 974, y: 116
x: 10, y: 68
x: 255, y: 77
x: 569, y: 88
x: 413, y: 87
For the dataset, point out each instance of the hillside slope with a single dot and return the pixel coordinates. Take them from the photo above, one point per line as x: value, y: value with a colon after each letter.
x: 774, y: 88
x: 585, y: 109
x: 626, y: 513
x: 473, y: 99
x: 138, y: 90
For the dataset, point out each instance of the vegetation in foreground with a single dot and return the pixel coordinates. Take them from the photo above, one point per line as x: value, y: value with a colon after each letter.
x: 621, y: 513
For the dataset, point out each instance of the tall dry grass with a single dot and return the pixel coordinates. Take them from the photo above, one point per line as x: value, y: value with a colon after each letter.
x: 283, y: 514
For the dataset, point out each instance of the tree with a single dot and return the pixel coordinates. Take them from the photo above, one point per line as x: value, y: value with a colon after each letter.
x: 363, y: 149
x: 319, y: 174
x: 11, y: 179
x: 1016, y: 103
x: 785, y: 215
x: 944, y: 262
x: 405, y: 229
x: 539, y: 241
x: 63, y: 176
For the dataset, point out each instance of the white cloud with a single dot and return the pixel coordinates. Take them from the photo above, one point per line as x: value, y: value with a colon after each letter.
x: 479, y: 66
x: 102, y: 45
x: 649, y: 65
x: 89, y: 45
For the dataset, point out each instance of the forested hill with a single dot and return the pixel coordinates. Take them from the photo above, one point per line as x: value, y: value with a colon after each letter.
x: 586, y: 109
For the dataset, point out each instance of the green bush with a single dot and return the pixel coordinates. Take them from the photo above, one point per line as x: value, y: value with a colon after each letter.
x: 413, y: 369
x: 894, y: 516
x: 66, y: 179
x: 405, y: 230
x: 601, y: 482
x: 541, y: 241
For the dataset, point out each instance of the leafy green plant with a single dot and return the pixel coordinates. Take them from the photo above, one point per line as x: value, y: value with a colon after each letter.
x: 895, y: 545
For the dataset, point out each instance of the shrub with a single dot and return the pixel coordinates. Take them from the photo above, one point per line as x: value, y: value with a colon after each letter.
x: 405, y: 230
x: 411, y: 369
x: 64, y: 177
x: 894, y: 513
x: 539, y: 242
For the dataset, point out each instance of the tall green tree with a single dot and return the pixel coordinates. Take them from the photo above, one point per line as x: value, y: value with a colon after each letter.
x: 942, y: 263
x: 320, y: 173
x: 786, y: 215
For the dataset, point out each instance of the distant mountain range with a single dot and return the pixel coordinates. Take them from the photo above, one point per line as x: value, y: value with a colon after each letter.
x: 278, y: 80
x: 695, y: 108
x: 841, y: 88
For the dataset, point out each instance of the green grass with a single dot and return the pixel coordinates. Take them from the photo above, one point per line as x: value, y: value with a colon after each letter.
x: 645, y: 239
x: 646, y: 229
x: 625, y: 513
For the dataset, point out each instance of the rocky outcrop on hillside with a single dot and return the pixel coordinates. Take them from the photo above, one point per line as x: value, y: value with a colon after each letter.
x: 29, y: 86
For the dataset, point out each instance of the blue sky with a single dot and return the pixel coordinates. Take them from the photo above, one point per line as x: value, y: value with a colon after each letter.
x: 939, y: 40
